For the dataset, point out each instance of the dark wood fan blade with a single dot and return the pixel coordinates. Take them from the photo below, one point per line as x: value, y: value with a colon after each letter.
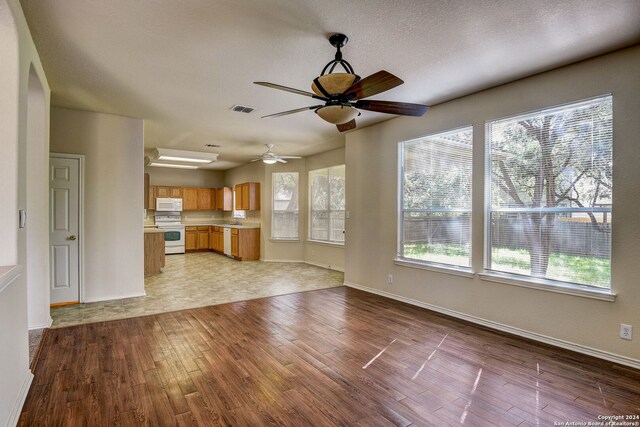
x: 373, y: 85
x: 297, y: 110
x: 347, y: 126
x: 391, y: 107
x: 290, y: 89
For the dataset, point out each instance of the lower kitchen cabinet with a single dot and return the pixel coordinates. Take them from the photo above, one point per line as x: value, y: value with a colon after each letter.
x: 191, y: 238
x: 203, y: 237
x: 196, y: 238
x: 245, y: 243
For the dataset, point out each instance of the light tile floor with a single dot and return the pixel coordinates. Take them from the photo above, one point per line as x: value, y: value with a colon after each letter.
x: 201, y: 279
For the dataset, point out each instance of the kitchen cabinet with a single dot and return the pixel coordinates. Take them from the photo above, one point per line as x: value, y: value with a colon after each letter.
x: 169, y: 192
x: 206, y: 199
x: 189, y: 199
x: 248, y: 196
x: 224, y: 199
x: 191, y: 238
x: 196, y: 238
x: 216, y: 239
x: 245, y: 243
x: 146, y: 191
x: 203, y: 237
x: 175, y: 192
x: 153, y: 252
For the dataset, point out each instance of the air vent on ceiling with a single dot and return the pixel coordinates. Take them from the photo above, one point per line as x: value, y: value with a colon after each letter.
x: 242, y: 109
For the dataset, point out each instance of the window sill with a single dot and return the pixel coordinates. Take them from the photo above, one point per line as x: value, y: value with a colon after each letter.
x: 440, y: 268
x: 322, y: 242
x: 549, y: 286
x: 276, y: 240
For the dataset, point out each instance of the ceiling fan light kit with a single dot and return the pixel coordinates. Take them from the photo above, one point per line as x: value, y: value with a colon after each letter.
x: 344, y: 93
x: 337, y: 114
x: 270, y: 158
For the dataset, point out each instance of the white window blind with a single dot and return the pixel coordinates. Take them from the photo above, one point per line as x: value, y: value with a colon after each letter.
x: 549, y: 183
x: 284, y: 217
x: 327, y: 204
x: 435, y: 212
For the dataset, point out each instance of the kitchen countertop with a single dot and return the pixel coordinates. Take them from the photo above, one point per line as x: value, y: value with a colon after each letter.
x: 149, y: 230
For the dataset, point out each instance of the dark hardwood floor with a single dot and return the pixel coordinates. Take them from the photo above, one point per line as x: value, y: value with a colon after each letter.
x: 330, y: 357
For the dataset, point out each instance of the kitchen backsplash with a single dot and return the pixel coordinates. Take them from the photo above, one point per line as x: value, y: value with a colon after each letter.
x: 208, y: 217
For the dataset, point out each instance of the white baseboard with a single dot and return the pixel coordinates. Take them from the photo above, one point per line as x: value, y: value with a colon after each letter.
x: 112, y: 297
x: 14, y: 416
x: 282, y: 260
x: 589, y: 351
x: 42, y: 326
x: 330, y: 267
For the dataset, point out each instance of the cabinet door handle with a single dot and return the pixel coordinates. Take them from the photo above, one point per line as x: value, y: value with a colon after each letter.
x: 72, y: 237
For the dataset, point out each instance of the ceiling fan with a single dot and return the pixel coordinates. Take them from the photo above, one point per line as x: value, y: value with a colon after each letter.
x: 269, y: 157
x: 343, y: 93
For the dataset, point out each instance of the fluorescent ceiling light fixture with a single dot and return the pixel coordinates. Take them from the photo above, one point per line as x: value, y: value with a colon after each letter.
x: 169, y: 165
x: 183, y: 156
x: 183, y: 159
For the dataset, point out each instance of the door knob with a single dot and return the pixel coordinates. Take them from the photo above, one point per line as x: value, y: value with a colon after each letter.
x: 71, y: 238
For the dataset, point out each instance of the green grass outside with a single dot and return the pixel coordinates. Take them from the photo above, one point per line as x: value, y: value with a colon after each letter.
x: 568, y: 268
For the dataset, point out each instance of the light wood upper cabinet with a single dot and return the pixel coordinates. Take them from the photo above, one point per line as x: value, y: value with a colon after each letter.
x: 248, y: 196
x: 206, y: 199
x: 162, y: 191
x: 176, y: 192
x: 189, y: 199
x: 224, y: 199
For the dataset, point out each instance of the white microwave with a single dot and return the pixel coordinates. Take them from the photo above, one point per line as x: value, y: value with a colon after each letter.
x: 168, y: 205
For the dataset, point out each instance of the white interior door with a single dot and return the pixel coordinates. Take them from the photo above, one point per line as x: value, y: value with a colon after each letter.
x: 64, y: 216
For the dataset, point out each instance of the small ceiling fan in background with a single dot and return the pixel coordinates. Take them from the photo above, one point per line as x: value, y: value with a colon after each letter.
x: 269, y: 157
x: 343, y: 93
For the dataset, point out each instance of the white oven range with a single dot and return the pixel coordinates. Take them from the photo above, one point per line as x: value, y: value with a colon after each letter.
x: 169, y: 222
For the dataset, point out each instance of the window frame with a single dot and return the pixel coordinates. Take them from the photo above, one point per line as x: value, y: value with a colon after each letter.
x: 401, y: 259
x: 328, y: 210
x: 524, y: 280
x: 273, y: 209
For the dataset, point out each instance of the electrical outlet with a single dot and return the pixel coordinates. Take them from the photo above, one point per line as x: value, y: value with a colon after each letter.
x: 626, y: 331
x: 390, y: 279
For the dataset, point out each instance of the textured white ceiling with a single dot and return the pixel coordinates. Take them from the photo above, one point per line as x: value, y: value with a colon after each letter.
x: 180, y: 65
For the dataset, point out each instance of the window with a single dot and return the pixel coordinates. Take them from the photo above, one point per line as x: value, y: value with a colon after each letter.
x: 237, y: 214
x: 549, y: 194
x: 326, y: 213
x: 284, y: 217
x: 435, y: 205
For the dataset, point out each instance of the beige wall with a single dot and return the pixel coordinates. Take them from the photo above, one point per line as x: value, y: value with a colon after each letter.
x: 185, y: 177
x: 23, y: 140
x: 113, y: 207
x: 372, y: 154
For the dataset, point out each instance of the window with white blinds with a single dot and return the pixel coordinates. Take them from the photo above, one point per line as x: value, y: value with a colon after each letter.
x: 435, y: 213
x: 327, y: 204
x: 284, y: 216
x: 549, y: 186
